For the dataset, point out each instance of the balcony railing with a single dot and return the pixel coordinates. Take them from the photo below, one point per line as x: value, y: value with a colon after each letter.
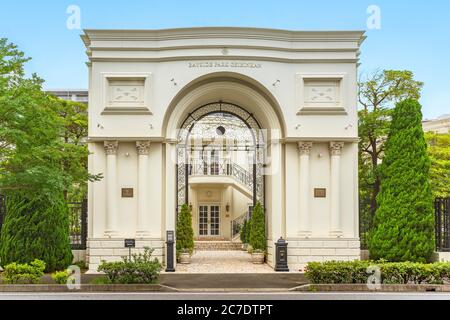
x: 222, y: 168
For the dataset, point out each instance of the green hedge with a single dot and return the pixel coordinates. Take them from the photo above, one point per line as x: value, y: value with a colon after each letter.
x: 356, y: 272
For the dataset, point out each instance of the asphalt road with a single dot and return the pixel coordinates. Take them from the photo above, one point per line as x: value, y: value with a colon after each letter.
x: 225, y: 296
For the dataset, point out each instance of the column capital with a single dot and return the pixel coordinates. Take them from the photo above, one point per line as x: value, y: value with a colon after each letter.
x: 143, y: 147
x: 305, y: 147
x: 336, y: 148
x: 111, y: 147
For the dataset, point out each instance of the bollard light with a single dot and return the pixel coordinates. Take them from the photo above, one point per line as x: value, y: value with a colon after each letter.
x: 281, y: 264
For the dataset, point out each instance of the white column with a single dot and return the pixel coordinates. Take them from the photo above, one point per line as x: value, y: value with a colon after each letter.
x: 111, y: 188
x: 304, y: 228
x: 335, y: 191
x: 143, y: 218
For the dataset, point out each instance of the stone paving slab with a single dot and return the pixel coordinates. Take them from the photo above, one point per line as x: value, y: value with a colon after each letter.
x: 222, y: 262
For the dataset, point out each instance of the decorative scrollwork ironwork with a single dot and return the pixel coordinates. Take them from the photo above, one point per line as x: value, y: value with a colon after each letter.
x: 239, y: 131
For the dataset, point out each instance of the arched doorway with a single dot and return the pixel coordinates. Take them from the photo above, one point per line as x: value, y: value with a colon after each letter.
x: 220, y: 143
x: 242, y: 96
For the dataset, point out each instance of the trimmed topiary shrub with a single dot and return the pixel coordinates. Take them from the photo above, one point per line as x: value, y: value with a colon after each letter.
x: 185, y: 233
x: 36, y: 227
x: 404, y: 221
x: 243, y: 234
x: 258, y: 229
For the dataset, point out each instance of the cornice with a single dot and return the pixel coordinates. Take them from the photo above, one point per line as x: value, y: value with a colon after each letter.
x: 222, y: 33
x: 234, y: 58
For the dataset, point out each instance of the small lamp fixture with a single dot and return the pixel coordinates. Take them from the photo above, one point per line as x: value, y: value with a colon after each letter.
x: 227, y: 207
x: 190, y: 206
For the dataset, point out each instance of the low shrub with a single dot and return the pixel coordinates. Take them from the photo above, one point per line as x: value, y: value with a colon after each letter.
x: 82, y: 265
x: 60, y: 277
x: 356, y: 272
x: 139, y: 269
x: 24, y: 273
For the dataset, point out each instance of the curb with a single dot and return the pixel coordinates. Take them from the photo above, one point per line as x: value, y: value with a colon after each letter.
x: 365, y: 288
x: 87, y: 288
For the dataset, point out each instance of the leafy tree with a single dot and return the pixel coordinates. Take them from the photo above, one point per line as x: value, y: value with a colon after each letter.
x: 404, y: 220
x: 74, y: 120
x: 32, y: 174
x: 439, y: 152
x: 185, y: 233
x: 258, y: 229
x: 377, y: 94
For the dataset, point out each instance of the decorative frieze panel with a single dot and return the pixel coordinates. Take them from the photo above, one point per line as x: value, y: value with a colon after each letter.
x: 125, y: 93
x: 320, y: 94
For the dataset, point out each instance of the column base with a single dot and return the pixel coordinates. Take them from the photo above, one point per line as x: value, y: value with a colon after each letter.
x: 336, y: 233
x: 304, y: 234
x: 142, y: 234
x: 111, y: 233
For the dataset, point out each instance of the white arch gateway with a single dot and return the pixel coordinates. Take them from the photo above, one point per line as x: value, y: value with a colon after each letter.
x: 298, y: 88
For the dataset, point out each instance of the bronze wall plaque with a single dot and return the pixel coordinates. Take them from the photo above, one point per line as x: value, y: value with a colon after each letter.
x: 127, y: 192
x: 320, y: 193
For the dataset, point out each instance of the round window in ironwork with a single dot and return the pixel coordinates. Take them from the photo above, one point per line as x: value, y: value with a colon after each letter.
x: 220, y: 130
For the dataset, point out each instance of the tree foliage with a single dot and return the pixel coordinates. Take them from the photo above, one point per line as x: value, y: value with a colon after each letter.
x: 185, y: 233
x: 43, y: 159
x: 439, y: 152
x: 258, y: 229
x: 243, y: 232
x: 404, y: 220
x: 36, y: 227
x: 42, y: 138
x: 377, y: 95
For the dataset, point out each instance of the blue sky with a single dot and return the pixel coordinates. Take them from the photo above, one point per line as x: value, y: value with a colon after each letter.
x: 414, y: 35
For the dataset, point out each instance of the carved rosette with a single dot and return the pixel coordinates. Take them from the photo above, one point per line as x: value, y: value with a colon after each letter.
x: 336, y: 148
x: 143, y: 147
x: 305, y: 147
x: 111, y: 147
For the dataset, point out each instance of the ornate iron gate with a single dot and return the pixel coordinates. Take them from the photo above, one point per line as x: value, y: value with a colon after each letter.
x: 442, y: 224
x: 78, y: 224
x: 258, y: 148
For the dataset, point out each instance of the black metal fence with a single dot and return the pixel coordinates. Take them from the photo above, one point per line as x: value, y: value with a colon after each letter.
x: 2, y: 210
x: 77, y: 219
x: 442, y: 224
x: 78, y: 224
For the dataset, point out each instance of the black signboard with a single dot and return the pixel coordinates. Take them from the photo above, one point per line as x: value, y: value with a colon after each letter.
x: 130, y: 243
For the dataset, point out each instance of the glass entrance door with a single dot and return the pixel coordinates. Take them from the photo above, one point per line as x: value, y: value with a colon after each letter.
x: 209, y: 220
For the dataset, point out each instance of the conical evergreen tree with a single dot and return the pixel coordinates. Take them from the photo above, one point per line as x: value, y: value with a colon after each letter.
x: 36, y: 227
x: 185, y: 233
x: 243, y: 232
x: 404, y: 221
x: 258, y: 229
